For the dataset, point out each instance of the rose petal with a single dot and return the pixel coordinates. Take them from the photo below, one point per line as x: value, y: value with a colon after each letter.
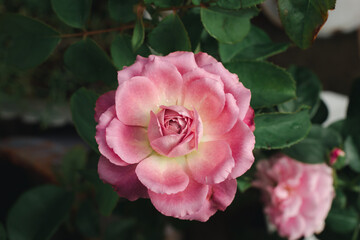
x: 205, y: 212
x: 129, y: 142
x: 100, y: 137
x: 163, y: 145
x: 162, y: 175
x: 203, y: 59
x: 103, y: 103
x: 226, y: 119
x: 293, y: 228
x: 233, y: 86
x: 134, y: 70
x: 123, y: 179
x: 224, y: 193
x: 183, y: 61
x: 206, y: 96
x: 249, y: 118
x: 134, y: 101
x: 211, y: 163
x: 166, y: 78
x: 154, y: 129
x: 183, y: 203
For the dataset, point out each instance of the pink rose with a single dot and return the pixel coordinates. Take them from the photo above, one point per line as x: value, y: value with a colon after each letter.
x: 178, y: 130
x: 297, y: 196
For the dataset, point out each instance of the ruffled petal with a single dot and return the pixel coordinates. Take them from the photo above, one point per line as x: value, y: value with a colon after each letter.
x: 123, y: 179
x: 103, y: 103
x: 134, y: 101
x: 162, y: 174
x: 134, y: 70
x: 165, y: 144
x: 166, y: 78
x: 249, y: 118
x: 100, y: 137
x: 211, y: 163
x: 226, y: 119
x: 128, y: 142
x: 206, y: 96
x: 224, y: 193
x: 183, y: 203
x: 183, y: 61
x: 203, y: 59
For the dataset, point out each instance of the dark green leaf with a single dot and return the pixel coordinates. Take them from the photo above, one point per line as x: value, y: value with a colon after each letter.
x: 2, y: 232
x: 73, y: 161
x: 308, y: 89
x: 193, y: 26
x: 352, y: 152
x: 90, y: 63
x: 236, y: 4
x: 82, y: 104
x: 209, y: 44
x: 38, y: 213
x: 87, y: 220
x: 74, y: 13
x: 122, y: 10
x: 316, y: 147
x: 302, y: 19
x: 269, y: 84
x: 225, y: 25
x: 119, y: 229
x: 339, y: 200
x: 279, y: 130
x: 321, y: 114
x: 164, y: 3
x: 169, y: 36
x: 353, y: 110
x: 255, y: 46
x: 342, y: 220
x: 138, y: 34
x: 25, y: 42
x: 243, y: 183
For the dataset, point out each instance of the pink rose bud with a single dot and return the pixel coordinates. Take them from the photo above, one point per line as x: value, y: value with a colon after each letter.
x: 297, y: 196
x: 335, y: 154
x: 177, y: 130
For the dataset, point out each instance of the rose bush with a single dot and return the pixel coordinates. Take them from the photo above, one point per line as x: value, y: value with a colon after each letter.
x: 297, y: 196
x: 178, y: 130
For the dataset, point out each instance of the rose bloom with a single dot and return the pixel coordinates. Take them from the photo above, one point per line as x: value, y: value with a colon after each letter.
x: 297, y: 196
x: 178, y: 130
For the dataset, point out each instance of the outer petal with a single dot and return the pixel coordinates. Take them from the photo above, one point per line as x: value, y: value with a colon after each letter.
x: 134, y: 70
x: 233, y: 86
x: 183, y: 61
x: 249, y: 118
x: 162, y: 175
x: 103, y: 103
x: 129, y: 142
x: 100, y: 137
x: 203, y: 59
x: 166, y: 78
x: 123, y: 179
x: 225, y: 121
x: 206, y: 96
x: 206, y: 211
x: 134, y: 101
x: 212, y: 163
x: 242, y: 141
x: 183, y: 203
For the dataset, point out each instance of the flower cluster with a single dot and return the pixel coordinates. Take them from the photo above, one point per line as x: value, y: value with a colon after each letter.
x: 178, y: 130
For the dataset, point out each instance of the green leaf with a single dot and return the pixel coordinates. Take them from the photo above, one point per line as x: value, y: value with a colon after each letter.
x: 339, y: 200
x: 316, y: 147
x: 321, y: 114
x: 25, y: 42
x: 74, y: 13
x: 209, y: 44
x: 87, y: 220
x: 138, y: 34
x: 193, y: 26
x: 269, y: 84
x: 236, y: 4
x: 352, y: 152
x: 255, y: 46
x: 279, y: 130
x: 169, y: 36
x: 38, y: 213
x: 302, y: 19
x: 342, y: 220
x: 2, y: 232
x: 164, y: 3
x: 106, y: 197
x: 120, y: 229
x: 353, y: 110
x: 243, y: 183
x: 73, y: 161
x: 90, y: 63
x: 82, y: 104
x: 308, y: 89
x: 225, y: 25
x: 122, y: 10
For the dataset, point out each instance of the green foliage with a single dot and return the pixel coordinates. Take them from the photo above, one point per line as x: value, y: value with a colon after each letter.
x: 89, y: 63
x: 302, y: 19
x: 236, y: 4
x: 257, y: 45
x: 225, y: 25
x: 169, y: 36
x: 243, y: 183
x: 122, y: 10
x: 193, y: 26
x: 25, y: 42
x: 74, y: 13
x: 352, y: 151
x: 164, y: 3
x: 87, y: 220
x: 72, y: 162
x: 2, y: 232
x: 342, y: 220
x: 270, y: 86
x: 82, y: 104
x: 120, y: 229
x: 138, y: 34
x: 280, y: 130
x: 38, y: 213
